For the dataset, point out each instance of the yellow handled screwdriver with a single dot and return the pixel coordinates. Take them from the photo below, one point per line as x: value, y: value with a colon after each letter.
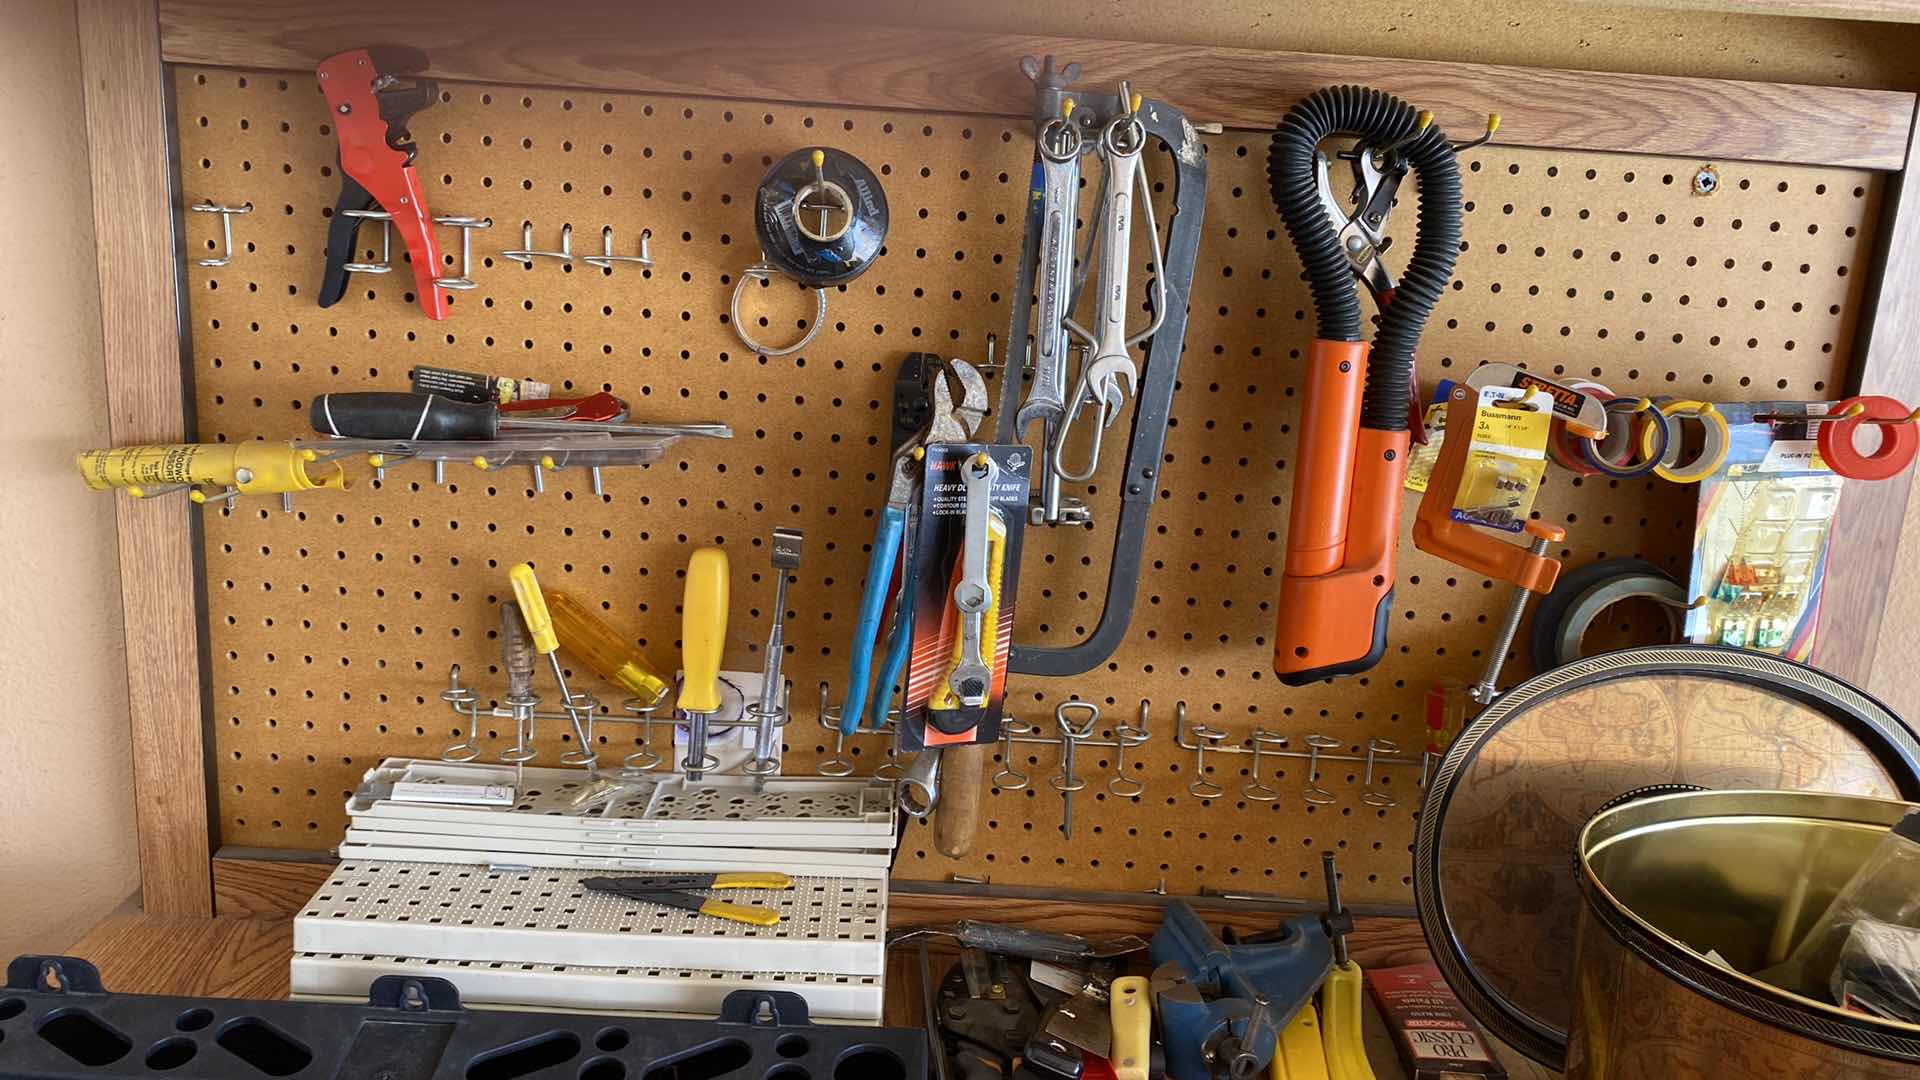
x: 703, y: 635
x: 533, y: 609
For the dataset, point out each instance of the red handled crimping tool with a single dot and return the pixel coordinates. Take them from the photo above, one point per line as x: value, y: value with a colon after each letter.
x: 372, y: 92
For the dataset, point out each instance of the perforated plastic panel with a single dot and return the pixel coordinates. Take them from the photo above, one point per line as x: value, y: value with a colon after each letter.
x: 562, y: 986
x: 332, y: 627
x: 545, y: 917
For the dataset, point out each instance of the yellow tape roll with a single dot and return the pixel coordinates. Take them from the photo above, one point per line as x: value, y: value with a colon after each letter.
x: 1713, y: 448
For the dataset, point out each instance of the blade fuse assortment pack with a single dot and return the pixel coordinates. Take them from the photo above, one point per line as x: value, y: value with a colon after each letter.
x: 1054, y: 622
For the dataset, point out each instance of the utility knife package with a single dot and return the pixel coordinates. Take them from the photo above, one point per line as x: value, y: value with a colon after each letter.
x: 965, y: 570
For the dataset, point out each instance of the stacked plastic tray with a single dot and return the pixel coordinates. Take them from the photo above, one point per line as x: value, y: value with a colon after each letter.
x: 489, y: 896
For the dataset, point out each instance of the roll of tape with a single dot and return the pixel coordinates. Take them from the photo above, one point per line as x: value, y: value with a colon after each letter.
x: 1713, y: 445
x: 1579, y: 598
x: 1563, y: 446
x: 1626, y: 407
x: 1898, y: 441
x: 821, y: 216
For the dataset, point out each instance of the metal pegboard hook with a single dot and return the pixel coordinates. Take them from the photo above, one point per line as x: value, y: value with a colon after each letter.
x: 1313, y: 792
x: 1255, y: 789
x: 526, y: 253
x: 1205, y: 738
x: 226, y: 228
x: 606, y: 259
x: 1373, y: 796
x: 1008, y: 778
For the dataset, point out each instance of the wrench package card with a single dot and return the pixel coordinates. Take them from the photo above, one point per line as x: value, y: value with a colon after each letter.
x: 965, y: 572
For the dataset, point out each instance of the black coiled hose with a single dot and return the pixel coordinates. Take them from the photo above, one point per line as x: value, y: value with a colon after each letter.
x: 1378, y: 118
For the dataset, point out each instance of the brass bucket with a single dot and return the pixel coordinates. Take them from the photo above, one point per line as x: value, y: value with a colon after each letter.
x: 1744, y: 874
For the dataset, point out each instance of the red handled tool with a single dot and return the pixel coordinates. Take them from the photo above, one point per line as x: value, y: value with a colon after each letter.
x: 1337, y: 591
x: 371, y: 96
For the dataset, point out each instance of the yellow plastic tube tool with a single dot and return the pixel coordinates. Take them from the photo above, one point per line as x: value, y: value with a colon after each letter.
x: 703, y: 633
x: 1340, y: 1001
x: 252, y: 468
x: 1299, y: 1055
x: 1132, y: 1014
x: 533, y: 608
x: 604, y: 649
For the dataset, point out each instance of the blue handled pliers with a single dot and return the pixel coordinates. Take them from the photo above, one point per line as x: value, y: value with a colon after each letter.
x: 959, y: 403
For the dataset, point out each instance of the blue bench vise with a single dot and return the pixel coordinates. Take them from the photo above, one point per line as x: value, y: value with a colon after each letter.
x: 1222, y: 1006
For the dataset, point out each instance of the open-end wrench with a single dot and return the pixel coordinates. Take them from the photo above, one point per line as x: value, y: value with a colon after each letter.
x: 1109, y: 376
x: 973, y: 596
x: 1059, y: 151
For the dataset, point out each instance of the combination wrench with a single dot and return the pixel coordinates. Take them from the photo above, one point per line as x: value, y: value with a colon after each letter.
x: 1109, y: 376
x: 1059, y: 148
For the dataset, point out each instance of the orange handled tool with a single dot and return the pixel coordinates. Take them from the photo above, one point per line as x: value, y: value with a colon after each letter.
x: 1337, y: 589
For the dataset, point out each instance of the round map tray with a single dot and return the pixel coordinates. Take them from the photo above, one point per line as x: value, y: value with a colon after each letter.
x: 1493, y: 862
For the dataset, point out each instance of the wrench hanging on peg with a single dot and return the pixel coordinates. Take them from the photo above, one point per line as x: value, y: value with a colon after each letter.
x: 1109, y: 376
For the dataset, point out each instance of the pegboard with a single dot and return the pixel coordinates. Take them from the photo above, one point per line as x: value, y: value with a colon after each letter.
x: 332, y: 627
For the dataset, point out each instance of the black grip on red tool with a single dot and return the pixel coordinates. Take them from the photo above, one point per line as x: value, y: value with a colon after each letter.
x: 402, y: 416
x: 1337, y: 590
x: 370, y: 104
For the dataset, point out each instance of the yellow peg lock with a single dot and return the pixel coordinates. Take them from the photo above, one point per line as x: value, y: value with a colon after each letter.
x: 533, y: 608
x: 480, y: 462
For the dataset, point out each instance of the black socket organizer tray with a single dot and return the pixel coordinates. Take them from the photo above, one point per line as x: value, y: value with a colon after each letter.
x: 57, y: 1021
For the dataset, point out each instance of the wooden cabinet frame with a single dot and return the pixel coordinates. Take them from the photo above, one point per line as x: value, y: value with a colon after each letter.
x: 125, y: 45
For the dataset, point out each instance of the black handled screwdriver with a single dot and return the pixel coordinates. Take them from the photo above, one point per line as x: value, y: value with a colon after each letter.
x: 378, y: 415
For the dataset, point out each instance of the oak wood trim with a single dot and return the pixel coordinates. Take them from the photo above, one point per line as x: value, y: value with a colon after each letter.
x: 133, y: 215
x: 637, y: 47
x: 1866, y: 534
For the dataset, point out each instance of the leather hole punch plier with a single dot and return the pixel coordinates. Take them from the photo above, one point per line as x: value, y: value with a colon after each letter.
x: 1344, y: 528
x: 959, y: 404
x: 371, y: 96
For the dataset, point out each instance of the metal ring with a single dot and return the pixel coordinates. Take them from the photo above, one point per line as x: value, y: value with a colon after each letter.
x: 1070, y: 147
x: 1063, y: 783
x: 1137, y: 133
x: 1590, y: 449
x: 1713, y: 446
x: 763, y: 272
x: 1067, y: 730
x: 1205, y: 789
x: 1125, y: 787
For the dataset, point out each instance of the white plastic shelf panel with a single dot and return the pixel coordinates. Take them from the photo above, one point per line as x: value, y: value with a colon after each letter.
x: 454, y: 912
x: 669, y: 805
x: 504, y: 829
x: 592, y: 989
x: 415, y: 847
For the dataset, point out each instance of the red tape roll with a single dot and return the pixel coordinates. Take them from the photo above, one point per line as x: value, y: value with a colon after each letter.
x: 1898, y: 441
